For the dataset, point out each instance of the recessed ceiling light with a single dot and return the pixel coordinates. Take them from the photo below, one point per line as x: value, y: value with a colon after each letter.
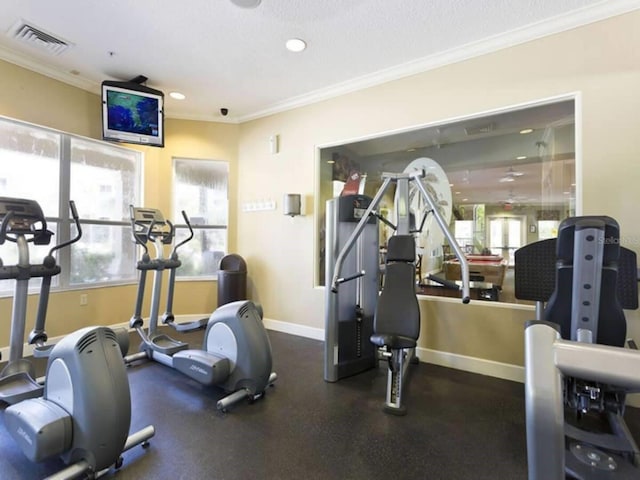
x: 526, y: 130
x: 296, y: 45
x: 521, y: 157
x: 246, y: 3
x: 177, y: 95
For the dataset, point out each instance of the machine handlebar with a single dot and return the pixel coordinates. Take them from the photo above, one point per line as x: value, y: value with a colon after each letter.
x: 186, y: 220
x: 23, y: 218
x: 148, y: 224
x: 76, y: 220
x: 387, y: 179
x: 338, y: 281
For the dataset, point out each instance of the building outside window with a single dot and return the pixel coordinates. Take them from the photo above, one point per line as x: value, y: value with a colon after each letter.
x: 102, y: 179
x: 201, y: 190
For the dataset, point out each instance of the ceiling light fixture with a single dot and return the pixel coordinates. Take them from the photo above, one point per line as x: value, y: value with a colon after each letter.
x: 177, y: 95
x: 526, y: 130
x: 246, y: 3
x: 511, y: 175
x: 521, y: 157
x: 296, y: 45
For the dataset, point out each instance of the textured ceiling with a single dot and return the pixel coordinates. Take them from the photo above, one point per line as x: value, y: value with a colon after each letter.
x: 221, y: 55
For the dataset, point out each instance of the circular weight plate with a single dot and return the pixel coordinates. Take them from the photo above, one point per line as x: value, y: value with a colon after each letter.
x: 436, y: 184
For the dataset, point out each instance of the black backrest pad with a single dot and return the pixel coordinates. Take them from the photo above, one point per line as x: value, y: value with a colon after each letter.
x: 397, y: 311
x: 535, y: 270
x: 611, y: 321
x: 628, y: 279
x: 401, y: 248
x: 535, y: 273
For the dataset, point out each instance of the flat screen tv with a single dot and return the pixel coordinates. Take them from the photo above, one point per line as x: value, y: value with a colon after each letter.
x: 132, y: 113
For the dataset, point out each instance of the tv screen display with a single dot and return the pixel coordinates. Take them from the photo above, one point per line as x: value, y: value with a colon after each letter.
x: 132, y: 113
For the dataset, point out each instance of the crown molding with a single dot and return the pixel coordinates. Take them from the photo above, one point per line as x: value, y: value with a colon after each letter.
x: 33, y: 65
x: 568, y: 21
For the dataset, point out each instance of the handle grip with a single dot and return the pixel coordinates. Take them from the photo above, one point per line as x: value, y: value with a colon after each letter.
x: 74, y: 210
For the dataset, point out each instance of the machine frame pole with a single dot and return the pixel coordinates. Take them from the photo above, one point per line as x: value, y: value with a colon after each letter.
x: 547, y: 358
x: 355, y: 234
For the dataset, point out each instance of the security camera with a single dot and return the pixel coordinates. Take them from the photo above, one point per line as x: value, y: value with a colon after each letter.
x: 224, y: 111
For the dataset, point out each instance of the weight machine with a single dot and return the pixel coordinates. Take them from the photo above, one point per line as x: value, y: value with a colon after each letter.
x: 577, y: 371
x: 361, y: 325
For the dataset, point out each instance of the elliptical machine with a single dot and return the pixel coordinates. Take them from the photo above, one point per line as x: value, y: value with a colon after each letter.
x: 23, y: 223
x: 83, y: 412
x: 236, y: 352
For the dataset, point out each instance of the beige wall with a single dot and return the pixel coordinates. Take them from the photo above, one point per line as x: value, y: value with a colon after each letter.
x: 40, y: 100
x: 600, y: 61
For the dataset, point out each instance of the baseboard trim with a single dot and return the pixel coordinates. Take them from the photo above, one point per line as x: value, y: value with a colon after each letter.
x: 28, y: 349
x: 491, y: 368
x: 294, y: 329
x: 451, y: 360
x: 465, y: 363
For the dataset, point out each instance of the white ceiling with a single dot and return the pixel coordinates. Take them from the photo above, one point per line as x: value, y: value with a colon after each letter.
x: 221, y: 55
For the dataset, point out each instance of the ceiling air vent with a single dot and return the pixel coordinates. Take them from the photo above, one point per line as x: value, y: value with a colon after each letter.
x: 25, y: 33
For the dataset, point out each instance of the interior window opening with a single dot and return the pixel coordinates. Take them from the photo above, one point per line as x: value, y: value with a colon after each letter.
x: 501, y: 181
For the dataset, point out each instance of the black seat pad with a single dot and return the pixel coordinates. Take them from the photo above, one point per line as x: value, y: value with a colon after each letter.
x: 392, y: 341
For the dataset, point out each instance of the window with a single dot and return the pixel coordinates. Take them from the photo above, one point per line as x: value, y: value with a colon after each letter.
x: 200, y: 189
x: 507, y: 171
x: 52, y: 167
x: 104, y: 182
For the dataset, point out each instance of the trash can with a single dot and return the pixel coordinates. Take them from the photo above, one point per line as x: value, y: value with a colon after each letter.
x: 232, y: 279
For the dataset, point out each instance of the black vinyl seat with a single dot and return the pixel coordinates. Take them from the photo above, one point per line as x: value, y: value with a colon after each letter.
x: 397, y: 318
x: 396, y: 323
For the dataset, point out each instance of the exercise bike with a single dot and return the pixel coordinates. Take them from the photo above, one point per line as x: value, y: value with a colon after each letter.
x: 82, y: 413
x: 236, y: 352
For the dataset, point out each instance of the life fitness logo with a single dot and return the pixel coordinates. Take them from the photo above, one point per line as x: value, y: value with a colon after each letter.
x: 24, y: 435
x: 198, y: 369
